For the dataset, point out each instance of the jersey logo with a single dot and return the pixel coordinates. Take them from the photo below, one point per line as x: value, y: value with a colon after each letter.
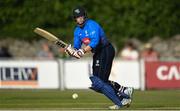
x: 97, y: 63
x: 86, y: 33
x: 86, y: 41
x: 93, y: 32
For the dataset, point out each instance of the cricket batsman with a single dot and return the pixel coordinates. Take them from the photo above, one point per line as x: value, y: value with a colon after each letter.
x: 91, y: 34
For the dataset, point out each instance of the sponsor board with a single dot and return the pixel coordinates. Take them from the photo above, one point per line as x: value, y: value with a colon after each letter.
x: 29, y: 74
x: 19, y: 76
x: 162, y: 75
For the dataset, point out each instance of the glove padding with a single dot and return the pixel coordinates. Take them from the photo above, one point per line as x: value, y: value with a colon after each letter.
x: 78, y: 53
x: 74, y: 53
x: 69, y: 50
x: 81, y: 52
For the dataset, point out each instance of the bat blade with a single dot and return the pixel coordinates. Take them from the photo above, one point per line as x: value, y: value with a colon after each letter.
x: 46, y: 34
x: 50, y: 37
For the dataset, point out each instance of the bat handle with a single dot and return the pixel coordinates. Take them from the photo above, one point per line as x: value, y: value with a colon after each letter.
x: 60, y: 44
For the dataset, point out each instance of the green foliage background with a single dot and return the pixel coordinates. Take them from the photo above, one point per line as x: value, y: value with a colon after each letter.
x: 121, y: 19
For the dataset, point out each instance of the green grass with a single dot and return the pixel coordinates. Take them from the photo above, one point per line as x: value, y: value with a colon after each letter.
x: 59, y: 100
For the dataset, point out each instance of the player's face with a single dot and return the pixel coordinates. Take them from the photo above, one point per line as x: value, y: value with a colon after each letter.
x: 80, y: 20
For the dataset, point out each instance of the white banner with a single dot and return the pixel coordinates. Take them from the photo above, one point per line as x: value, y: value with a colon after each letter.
x: 29, y: 74
x: 126, y: 73
x: 76, y: 73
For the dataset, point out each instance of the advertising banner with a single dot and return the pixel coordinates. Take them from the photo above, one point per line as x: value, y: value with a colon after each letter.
x: 19, y: 76
x: 29, y: 74
x: 162, y: 75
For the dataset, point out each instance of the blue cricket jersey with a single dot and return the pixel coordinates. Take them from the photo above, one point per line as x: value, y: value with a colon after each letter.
x: 94, y: 32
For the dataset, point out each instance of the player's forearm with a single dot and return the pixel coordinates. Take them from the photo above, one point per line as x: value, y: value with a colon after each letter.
x: 87, y: 49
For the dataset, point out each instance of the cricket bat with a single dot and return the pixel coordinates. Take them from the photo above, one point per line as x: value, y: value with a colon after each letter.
x: 50, y: 37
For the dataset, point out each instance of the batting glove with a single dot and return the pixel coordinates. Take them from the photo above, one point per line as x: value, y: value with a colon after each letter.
x: 69, y: 50
x: 76, y: 55
x: 81, y: 52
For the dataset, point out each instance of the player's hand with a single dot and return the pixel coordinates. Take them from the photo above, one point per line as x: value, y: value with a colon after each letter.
x: 81, y: 52
x: 76, y: 55
x: 69, y: 50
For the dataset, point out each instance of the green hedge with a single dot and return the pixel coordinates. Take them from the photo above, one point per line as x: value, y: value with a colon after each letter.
x: 121, y: 19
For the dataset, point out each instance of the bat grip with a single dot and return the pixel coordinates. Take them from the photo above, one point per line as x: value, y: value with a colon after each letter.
x: 60, y: 44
